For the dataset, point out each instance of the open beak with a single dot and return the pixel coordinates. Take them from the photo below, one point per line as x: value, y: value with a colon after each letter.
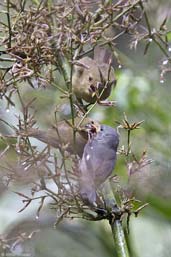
x: 93, y: 127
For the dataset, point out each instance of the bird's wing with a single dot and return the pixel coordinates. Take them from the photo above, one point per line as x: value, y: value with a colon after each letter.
x: 98, y: 161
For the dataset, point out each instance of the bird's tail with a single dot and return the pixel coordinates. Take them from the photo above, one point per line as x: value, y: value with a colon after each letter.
x: 88, y: 193
x: 102, y: 55
x: 49, y: 136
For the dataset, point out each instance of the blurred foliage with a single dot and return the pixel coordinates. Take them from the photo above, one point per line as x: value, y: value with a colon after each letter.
x: 141, y: 58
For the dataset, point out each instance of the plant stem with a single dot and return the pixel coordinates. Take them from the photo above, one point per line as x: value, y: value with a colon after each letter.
x: 116, y: 226
x: 9, y: 23
x: 119, y: 238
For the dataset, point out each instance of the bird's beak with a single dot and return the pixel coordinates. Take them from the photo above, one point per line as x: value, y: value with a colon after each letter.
x: 93, y: 127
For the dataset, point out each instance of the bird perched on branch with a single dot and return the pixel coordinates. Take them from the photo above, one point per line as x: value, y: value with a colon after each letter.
x: 61, y: 135
x: 93, y: 78
x: 98, y: 162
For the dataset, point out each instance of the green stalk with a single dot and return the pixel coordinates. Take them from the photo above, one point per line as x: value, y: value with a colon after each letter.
x: 115, y: 221
x: 119, y: 238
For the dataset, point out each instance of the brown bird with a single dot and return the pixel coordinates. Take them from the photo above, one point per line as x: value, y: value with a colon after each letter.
x: 61, y: 135
x: 93, y: 78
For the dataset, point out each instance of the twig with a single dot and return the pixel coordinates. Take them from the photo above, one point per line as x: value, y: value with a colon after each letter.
x: 9, y: 23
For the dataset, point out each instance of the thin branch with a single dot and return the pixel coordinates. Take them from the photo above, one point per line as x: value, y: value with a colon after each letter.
x: 9, y: 23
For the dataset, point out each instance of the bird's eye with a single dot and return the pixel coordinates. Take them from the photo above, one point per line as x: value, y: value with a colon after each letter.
x: 90, y: 78
x: 101, y: 129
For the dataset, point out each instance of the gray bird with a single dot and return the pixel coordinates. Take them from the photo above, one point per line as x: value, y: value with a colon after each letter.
x: 98, y: 162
